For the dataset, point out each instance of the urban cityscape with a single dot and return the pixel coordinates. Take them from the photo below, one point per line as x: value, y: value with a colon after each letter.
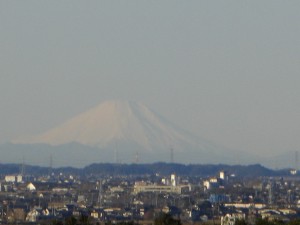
x: 53, y: 196
x: 149, y: 112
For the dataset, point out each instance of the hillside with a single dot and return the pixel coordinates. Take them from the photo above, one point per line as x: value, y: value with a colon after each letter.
x: 107, y: 169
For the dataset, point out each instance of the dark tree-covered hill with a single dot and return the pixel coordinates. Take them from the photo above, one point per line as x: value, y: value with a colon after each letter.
x: 142, y: 169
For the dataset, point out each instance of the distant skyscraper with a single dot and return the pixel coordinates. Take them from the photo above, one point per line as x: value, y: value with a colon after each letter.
x: 173, y: 180
x: 222, y: 175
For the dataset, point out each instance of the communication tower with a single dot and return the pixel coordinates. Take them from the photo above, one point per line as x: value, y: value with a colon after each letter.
x: 22, y: 168
x: 296, y: 160
x: 50, y: 164
x: 172, y: 155
x: 136, y: 157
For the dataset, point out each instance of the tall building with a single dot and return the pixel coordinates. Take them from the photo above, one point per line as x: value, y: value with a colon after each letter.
x: 173, y: 180
x: 222, y: 175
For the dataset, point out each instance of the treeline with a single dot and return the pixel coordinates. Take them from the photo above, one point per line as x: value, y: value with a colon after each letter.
x: 266, y: 221
x: 162, y: 219
x: 142, y: 169
x: 166, y: 219
x: 181, y: 169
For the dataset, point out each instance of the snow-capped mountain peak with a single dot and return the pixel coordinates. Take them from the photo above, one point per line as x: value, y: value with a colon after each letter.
x: 114, y: 121
x: 130, y: 127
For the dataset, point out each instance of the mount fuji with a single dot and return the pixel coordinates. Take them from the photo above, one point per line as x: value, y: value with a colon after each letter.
x: 122, y: 131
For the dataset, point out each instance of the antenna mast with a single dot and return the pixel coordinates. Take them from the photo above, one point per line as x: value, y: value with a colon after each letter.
x: 136, y: 157
x: 23, y: 166
x: 116, y: 155
x: 296, y: 160
x: 172, y: 155
x: 50, y: 164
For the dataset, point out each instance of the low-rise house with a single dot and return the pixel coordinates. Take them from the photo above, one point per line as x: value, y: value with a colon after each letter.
x: 230, y: 219
x: 33, y: 215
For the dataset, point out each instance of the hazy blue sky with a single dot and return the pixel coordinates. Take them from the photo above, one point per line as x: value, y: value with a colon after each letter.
x: 227, y: 71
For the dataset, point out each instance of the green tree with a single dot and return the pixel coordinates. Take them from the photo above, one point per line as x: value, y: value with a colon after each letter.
x: 241, y: 222
x: 126, y: 223
x: 84, y: 220
x: 266, y: 221
x: 56, y: 222
x: 71, y: 221
x: 166, y: 219
x: 294, y: 222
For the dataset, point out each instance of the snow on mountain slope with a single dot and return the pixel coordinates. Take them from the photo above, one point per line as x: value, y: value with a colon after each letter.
x: 116, y: 121
x: 131, y: 127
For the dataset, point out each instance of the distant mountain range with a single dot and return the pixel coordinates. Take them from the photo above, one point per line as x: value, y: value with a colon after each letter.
x: 108, y: 169
x: 119, y: 132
